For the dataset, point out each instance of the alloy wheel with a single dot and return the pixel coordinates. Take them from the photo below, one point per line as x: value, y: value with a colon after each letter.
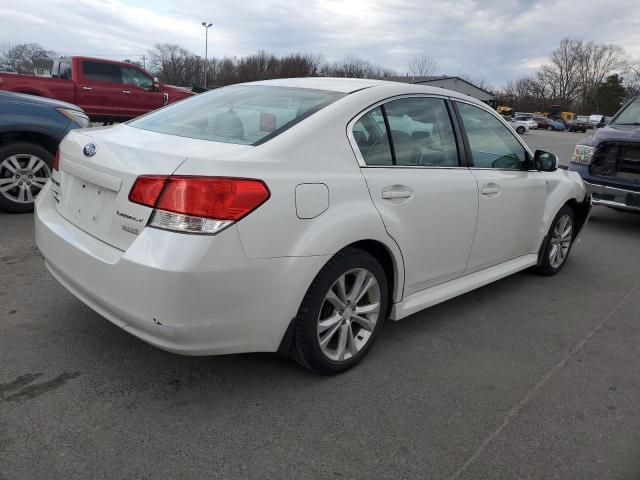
x: 561, y: 241
x: 349, y: 314
x: 22, y: 176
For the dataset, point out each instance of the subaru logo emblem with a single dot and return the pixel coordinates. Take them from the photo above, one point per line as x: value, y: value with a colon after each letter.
x: 89, y: 150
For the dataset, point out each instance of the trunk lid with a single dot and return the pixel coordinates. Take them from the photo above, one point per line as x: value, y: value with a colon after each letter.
x: 92, y: 191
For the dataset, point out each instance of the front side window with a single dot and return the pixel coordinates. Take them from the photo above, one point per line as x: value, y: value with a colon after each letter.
x: 492, y: 144
x: 239, y: 114
x: 101, y: 72
x: 133, y: 76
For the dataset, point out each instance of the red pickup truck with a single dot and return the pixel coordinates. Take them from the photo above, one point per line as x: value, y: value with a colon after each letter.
x: 106, y: 90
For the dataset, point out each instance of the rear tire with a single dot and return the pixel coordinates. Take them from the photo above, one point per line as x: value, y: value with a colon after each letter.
x: 24, y: 170
x: 558, y: 243
x: 341, y: 313
x: 520, y: 130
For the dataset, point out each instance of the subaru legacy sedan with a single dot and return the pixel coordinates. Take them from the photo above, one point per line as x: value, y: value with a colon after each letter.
x: 296, y: 215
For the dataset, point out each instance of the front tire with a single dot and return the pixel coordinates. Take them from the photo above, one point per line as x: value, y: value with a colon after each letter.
x: 520, y: 130
x: 24, y: 171
x: 341, y: 313
x: 558, y: 242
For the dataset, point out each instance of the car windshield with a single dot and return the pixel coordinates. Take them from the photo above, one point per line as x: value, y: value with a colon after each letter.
x: 630, y: 115
x: 243, y: 114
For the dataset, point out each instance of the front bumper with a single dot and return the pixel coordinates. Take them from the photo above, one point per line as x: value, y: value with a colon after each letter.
x: 614, y: 197
x: 187, y: 294
x: 617, y: 197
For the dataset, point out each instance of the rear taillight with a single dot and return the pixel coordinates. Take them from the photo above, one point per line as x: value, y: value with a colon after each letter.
x: 198, y: 204
x: 56, y: 161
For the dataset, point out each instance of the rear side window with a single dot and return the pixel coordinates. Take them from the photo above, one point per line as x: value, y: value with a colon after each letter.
x: 241, y: 114
x: 101, y: 72
x: 421, y: 132
x: 370, y: 133
x: 414, y: 132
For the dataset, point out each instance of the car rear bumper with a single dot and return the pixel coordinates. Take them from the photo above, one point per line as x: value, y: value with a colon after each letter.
x: 187, y: 294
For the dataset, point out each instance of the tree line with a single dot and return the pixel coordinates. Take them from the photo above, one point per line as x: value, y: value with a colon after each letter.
x: 580, y: 76
x: 177, y: 66
x: 585, y: 77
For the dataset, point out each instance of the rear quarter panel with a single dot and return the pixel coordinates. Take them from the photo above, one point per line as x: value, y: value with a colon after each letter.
x: 313, y: 151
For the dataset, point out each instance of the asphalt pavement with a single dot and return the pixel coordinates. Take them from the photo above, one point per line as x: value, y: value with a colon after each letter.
x: 560, y: 143
x: 527, y: 378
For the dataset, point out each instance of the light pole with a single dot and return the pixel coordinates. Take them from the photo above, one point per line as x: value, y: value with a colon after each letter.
x: 206, y: 45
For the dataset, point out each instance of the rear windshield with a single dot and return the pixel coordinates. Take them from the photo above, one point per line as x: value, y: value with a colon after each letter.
x: 242, y: 114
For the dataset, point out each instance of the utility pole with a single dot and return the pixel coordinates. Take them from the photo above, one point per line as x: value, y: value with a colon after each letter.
x: 144, y: 62
x: 206, y: 45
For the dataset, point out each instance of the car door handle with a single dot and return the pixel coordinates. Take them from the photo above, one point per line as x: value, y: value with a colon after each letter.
x: 396, y: 191
x: 87, y: 88
x: 126, y: 91
x: 490, y: 189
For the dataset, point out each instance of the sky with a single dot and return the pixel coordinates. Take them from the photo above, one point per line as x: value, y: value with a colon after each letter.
x: 491, y: 40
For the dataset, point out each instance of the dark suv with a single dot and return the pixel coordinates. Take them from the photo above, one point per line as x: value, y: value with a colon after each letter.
x: 30, y: 130
x: 609, y: 160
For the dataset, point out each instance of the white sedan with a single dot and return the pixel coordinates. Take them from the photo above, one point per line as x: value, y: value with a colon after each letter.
x: 297, y: 215
x: 521, y: 126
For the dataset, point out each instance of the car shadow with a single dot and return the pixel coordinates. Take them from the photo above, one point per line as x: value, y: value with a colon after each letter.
x: 614, y: 220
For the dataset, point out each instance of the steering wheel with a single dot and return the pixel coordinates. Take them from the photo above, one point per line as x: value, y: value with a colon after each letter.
x: 507, y: 162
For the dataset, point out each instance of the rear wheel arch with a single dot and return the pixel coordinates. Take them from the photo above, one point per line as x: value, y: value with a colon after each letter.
x: 383, y: 255
x: 47, y: 142
x: 394, y: 272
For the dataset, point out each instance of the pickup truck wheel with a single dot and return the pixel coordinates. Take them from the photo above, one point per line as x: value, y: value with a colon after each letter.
x: 25, y: 169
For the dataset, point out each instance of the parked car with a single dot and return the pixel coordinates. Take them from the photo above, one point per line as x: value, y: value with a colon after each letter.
x: 531, y: 123
x: 548, y: 124
x: 295, y: 215
x: 30, y: 130
x: 609, y: 160
x: 106, y: 90
x: 576, y: 126
x: 519, y: 126
x: 596, y: 121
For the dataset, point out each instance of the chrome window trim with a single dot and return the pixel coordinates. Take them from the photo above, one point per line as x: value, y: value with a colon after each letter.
x: 355, y: 119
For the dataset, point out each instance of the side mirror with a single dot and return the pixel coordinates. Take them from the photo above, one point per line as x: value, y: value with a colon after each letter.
x: 545, y: 161
x: 156, y: 84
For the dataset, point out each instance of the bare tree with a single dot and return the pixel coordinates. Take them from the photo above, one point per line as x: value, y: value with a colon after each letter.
x: 26, y: 57
x: 170, y: 62
x: 422, y: 66
x: 354, y: 67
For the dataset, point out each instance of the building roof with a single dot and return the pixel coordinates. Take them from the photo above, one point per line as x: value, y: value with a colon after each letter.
x: 434, y: 79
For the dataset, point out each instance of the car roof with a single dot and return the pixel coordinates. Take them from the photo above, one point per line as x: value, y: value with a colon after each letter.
x: 23, y: 98
x: 350, y: 85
